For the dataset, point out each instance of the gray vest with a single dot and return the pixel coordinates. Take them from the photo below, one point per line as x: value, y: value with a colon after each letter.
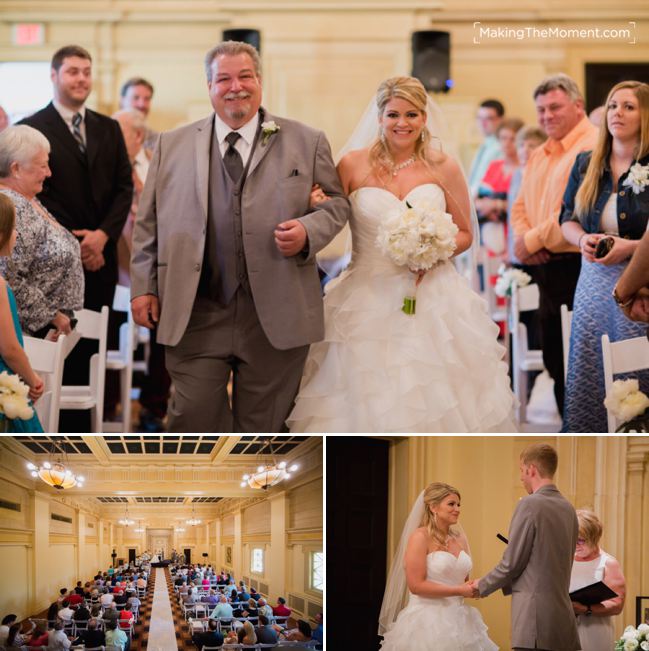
x: 224, y: 262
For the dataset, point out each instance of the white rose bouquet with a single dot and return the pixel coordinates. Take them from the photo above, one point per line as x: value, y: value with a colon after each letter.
x: 628, y: 404
x: 419, y: 238
x: 508, y: 278
x: 634, y: 638
x: 14, y: 399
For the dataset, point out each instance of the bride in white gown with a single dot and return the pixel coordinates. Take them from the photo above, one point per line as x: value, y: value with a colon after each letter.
x: 434, y: 563
x: 379, y: 369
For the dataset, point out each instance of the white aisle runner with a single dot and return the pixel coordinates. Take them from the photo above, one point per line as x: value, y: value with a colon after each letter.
x: 162, y: 634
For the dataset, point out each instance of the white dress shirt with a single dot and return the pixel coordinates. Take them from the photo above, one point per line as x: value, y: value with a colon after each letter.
x: 67, y: 115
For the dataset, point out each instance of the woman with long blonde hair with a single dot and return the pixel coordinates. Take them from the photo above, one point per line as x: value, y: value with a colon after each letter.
x: 386, y: 366
x: 605, y: 212
x: 423, y: 607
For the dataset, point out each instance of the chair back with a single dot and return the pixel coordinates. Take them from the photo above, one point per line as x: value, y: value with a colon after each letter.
x: 91, y: 325
x: 566, y: 327
x: 624, y: 356
x: 46, y: 358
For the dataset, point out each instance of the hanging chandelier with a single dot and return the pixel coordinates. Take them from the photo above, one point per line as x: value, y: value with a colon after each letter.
x: 55, y: 473
x: 179, y: 529
x: 193, y: 521
x: 268, y: 474
x: 126, y: 521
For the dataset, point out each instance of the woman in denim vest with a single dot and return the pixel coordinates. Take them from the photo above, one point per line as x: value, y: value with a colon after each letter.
x: 607, y: 197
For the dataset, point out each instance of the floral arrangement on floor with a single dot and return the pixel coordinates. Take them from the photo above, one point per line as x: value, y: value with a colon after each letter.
x: 419, y: 237
x: 508, y: 278
x: 634, y: 638
x: 629, y: 405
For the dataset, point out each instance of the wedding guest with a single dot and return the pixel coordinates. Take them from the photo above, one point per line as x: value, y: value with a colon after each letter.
x: 538, y: 239
x: 44, y: 269
x: 246, y: 634
x: 632, y: 289
x: 15, y: 639
x: 115, y: 636
x: 318, y: 631
x: 527, y: 140
x: 303, y: 633
x: 58, y: 640
x: 210, y: 638
x: 266, y: 634
x: 280, y: 610
x: 489, y: 116
x: 13, y: 359
x: 91, y: 637
x: 604, y: 203
x: 39, y: 636
x: 592, y: 564
x: 137, y: 93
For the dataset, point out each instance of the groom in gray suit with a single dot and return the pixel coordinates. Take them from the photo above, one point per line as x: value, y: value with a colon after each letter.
x: 536, y: 566
x: 224, y: 253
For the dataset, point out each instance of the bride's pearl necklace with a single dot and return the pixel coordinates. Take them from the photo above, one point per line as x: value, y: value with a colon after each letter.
x: 400, y: 166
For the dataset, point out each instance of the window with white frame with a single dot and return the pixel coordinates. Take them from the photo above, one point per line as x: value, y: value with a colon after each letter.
x: 257, y: 560
x: 316, y: 571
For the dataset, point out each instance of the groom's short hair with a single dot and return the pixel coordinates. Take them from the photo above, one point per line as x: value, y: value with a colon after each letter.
x: 543, y: 456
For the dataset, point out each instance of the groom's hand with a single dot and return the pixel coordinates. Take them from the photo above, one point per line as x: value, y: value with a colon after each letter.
x: 290, y: 237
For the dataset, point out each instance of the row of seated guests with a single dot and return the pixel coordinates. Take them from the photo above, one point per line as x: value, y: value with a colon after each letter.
x: 55, y: 638
x: 264, y: 633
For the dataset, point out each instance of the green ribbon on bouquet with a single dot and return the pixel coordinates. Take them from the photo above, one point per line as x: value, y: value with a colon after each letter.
x: 409, y: 304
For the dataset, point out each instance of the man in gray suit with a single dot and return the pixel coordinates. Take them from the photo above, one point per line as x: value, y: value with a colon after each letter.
x: 535, y: 568
x: 224, y: 253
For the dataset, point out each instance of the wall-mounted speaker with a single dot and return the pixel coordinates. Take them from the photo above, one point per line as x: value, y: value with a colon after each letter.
x: 431, y: 60
x: 250, y: 36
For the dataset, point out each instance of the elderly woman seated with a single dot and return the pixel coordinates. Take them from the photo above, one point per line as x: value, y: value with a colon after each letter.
x: 44, y: 270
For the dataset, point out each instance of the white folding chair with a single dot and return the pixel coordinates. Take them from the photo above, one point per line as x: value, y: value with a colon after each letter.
x: 624, y: 356
x: 122, y: 360
x: 490, y: 266
x: 524, y: 360
x: 46, y: 358
x: 566, y: 327
x: 90, y: 325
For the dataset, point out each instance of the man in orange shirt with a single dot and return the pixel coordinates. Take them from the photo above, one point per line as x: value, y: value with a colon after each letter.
x: 535, y: 215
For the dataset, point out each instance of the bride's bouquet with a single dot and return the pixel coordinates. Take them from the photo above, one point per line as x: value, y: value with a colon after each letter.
x: 419, y: 238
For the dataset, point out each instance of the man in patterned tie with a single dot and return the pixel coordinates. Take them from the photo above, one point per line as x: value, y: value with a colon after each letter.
x: 224, y: 251
x: 90, y: 190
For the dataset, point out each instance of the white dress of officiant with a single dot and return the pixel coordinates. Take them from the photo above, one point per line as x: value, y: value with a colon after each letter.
x: 591, y: 565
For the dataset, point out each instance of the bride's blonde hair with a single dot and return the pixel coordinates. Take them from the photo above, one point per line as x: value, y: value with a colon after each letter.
x: 433, y: 495
x: 413, y: 91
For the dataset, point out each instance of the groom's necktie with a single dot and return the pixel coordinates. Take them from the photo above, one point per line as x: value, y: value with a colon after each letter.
x: 232, y: 158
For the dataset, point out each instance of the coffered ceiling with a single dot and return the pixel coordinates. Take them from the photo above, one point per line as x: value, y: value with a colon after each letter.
x: 159, y: 478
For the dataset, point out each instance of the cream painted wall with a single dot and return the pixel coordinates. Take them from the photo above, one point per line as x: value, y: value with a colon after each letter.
x: 593, y: 471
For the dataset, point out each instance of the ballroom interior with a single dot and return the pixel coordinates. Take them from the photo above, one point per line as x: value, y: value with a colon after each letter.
x: 52, y: 538
x: 608, y: 474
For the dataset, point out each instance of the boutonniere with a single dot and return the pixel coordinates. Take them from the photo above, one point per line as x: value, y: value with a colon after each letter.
x: 267, y: 130
x: 638, y: 178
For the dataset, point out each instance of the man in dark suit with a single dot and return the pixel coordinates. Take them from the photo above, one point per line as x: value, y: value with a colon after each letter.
x: 91, y: 637
x: 89, y: 192
x: 210, y: 638
x: 90, y: 189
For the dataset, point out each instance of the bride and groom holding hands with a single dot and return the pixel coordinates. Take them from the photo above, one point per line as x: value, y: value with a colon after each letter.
x: 233, y: 213
x: 433, y: 563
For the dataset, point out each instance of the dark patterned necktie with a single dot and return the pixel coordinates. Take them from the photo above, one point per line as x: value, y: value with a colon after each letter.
x: 76, y: 132
x: 232, y: 158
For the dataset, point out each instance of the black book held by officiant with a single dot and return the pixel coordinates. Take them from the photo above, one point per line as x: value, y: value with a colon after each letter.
x: 593, y: 594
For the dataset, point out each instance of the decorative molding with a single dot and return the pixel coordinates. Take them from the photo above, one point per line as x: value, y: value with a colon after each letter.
x: 63, y: 539
x: 91, y: 540
x: 256, y: 538
x: 16, y: 536
x: 304, y: 535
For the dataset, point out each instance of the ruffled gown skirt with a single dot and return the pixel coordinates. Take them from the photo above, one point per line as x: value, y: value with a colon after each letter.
x: 381, y: 370
x: 438, y: 625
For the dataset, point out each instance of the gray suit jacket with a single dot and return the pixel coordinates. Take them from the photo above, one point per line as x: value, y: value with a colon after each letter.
x: 535, y: 569
x: 169, y: 232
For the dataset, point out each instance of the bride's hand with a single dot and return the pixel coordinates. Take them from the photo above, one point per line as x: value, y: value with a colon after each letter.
x: 468, y: 590
x: 317, y: 196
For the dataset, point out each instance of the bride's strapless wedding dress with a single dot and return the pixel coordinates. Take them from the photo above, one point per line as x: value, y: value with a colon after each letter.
x: 380, y: 370
x: 440, y: 624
